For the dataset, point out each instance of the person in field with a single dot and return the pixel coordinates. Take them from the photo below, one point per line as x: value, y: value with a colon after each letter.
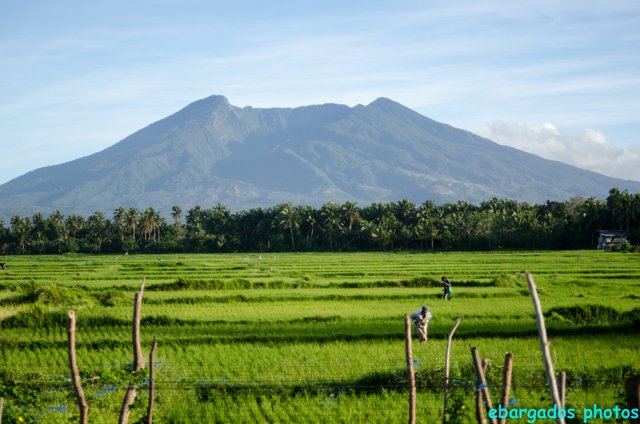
x: 421, y: 320
x: 446, y: 288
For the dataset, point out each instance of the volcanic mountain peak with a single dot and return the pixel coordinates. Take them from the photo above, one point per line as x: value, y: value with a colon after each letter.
x: 211, y: 151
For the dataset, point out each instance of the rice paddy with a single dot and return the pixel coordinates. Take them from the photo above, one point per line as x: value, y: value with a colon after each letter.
x: 311, y: 337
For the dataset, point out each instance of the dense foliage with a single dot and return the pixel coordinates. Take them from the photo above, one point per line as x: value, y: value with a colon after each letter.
x: 494, y: 224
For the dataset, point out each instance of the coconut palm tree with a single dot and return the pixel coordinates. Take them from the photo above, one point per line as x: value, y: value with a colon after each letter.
x: 132, y: 219
x: 120, y: 221
x: 21, y: 232
x: 56, y: 226
x: 331, y: 222
x: 98, y: 226
x: 176, y: 214
x: 620, y: 204
x: 288, y: 219
x: 74, y: 224
x: 308, y: 221
x: 349, y: 215
x: 428, y: 216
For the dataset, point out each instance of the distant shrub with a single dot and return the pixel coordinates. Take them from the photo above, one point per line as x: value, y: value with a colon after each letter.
x: 39, y: 317
x: 623, y: 245
x: 49, y: 295
x: 186, y: 284
x: 632, y: 315
x: 627, y: 248
x: 379, y: 381
x: 317, y: 319
x: 508, y: 280
x: 411, y: 283
x: 165, y: 321
x: 421, y: 282
x: 111, y: 297
x: 586, y: 314
x: 35, y: 317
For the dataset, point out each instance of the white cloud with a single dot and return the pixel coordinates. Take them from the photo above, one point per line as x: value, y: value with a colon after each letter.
x: 587, y: 148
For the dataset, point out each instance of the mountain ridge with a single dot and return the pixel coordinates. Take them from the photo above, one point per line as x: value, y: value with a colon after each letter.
x: 213, y: 152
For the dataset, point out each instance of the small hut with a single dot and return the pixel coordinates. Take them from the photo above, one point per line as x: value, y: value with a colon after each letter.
x: 609, y: 239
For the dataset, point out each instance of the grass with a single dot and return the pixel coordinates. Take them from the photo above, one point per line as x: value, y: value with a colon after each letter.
x: 310, y: 337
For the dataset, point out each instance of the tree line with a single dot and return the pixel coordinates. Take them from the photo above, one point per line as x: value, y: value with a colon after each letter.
x: 494, y: 224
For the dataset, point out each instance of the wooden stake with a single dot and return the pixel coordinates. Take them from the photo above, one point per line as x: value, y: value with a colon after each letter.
x: 506, y: 384
x: 129, y: 398
x: 562, y: 388
x: 544, y: 346
x: 479, y: 406
x: 138, y: 357
x: 480, y: 409
x: 485, y: 366
x: 73, y: 366
x: 446, y: 368
x: 1, y: 408
x: 483, y: 381
x: 152, y: 385
x: 411, y: 375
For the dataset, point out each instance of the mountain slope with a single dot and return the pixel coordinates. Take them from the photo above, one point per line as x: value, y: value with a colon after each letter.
x: 213, y: 152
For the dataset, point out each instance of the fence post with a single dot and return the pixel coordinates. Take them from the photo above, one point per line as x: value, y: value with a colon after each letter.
x: 129, y: 398
x: 544, y: 346
x: 562, y: 388
x: 479, y: 406
x: 483, y: 382
x: 506, y: 384
x: 446, y: 368
x: 480, y: 409
x: 411, y: 375
x: 138, y: 358
x: 152, y: 381
x: 73, y: 366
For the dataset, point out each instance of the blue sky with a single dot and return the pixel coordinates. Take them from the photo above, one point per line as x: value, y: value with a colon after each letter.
x: 557, y: 78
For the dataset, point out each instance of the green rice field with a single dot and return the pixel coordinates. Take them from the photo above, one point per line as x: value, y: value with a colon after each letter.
x: 312, y: 337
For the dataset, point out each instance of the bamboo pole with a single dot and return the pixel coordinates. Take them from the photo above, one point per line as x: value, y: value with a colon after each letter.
x: 410, y: 372
x: 446, y: 369
x: 485, y: 366
x: 73, y: 366
x: 562, y: 388
x: 129, y: 398
x: 479, y: 406
x: 152, y: 383
x: 138, y: 357
x: 483, y: 381
x: 506, y: 384
x: 480, y: 409
x: 544, y: 346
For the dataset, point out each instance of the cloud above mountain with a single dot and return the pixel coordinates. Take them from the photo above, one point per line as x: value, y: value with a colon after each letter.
x: 587, y: 148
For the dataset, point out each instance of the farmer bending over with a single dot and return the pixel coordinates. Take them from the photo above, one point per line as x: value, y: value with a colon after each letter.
x: 421, y: 321
x: 446, y: 288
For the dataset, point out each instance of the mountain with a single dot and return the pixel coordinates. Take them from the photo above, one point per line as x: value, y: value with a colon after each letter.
x: 212, y: 152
